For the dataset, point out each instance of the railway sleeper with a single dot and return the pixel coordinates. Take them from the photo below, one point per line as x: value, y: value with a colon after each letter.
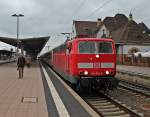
x: 102, y: 104
x: 110, y: 109
x: 121, y: 112
x: 106, y: 107
x: 126, y: 115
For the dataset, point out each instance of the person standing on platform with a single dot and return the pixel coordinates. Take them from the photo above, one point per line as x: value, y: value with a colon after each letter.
x: 20, y: 65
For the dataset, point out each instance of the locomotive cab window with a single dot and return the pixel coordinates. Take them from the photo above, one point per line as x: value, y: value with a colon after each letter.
x: 104, y: 47
x: 94, y: 47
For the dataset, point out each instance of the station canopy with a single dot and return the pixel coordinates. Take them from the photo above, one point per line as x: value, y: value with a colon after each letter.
x: 32, y: 46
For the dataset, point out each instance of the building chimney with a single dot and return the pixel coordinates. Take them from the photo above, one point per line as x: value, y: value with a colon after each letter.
x: 99, y: 21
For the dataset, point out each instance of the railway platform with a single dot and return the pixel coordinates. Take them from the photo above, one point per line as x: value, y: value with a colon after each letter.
x: 136, y: 74
x: 31, y: 96
x: 7, y: 61
x: 21, y: 97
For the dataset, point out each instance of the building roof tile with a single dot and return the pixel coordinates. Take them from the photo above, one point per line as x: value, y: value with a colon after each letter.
x: 85, y: 28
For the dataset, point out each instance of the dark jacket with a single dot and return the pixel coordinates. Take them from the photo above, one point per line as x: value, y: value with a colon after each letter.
x: 21, y: 62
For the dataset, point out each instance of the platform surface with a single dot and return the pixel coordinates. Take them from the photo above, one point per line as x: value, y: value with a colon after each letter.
x: 21, y: 97
x: 134, y: 69
x: 34, y: 95
x: 136, y: 74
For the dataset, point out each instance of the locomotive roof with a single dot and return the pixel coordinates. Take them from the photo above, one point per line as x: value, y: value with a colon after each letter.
x: 95, y: 39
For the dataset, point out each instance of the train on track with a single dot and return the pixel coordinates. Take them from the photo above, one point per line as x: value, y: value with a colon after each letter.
x: 86, y: 63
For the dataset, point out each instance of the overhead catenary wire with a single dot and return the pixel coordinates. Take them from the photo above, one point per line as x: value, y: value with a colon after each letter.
x: 80, y: 7
x: 101, y: 6
x: 145, y: 20
x: 77, y: 10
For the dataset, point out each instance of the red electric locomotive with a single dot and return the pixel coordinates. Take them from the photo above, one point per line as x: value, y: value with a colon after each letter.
x: 86, y: 62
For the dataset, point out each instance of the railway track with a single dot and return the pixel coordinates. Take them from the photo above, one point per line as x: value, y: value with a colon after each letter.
x: 140, y: 89
x: 109, y: 107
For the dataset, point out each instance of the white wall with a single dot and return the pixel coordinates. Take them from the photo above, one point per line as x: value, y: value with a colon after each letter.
x: 100, y: 32
x: 126, y: 48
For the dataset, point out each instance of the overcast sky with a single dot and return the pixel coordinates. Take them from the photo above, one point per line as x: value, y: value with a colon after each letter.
x: 52, y: 17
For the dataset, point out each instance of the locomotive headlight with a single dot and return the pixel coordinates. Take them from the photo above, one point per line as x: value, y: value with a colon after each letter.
x: 97, y: 56
x: 107, y: 72
x: 85, y: 72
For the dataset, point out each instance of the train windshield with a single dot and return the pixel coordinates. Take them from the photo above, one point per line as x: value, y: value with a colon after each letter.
x: 94, y: 47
